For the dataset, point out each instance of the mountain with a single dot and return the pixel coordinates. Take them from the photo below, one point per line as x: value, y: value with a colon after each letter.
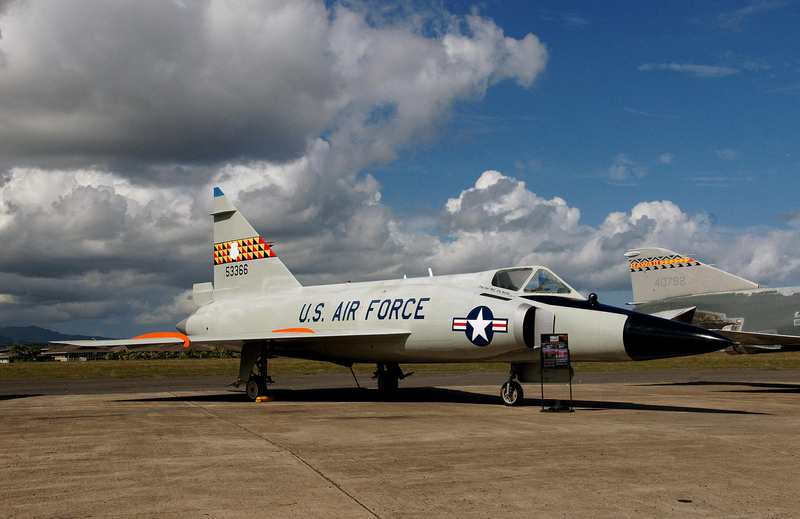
x: 33, y: 335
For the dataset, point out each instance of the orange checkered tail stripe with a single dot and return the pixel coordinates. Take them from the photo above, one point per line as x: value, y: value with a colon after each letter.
x: 242, y: 250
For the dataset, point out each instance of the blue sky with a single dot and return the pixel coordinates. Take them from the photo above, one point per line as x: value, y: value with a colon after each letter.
x: 371, y: 140
x: 700, y: 97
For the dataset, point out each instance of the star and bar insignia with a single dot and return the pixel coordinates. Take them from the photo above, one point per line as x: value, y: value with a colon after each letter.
x: 480, y: 325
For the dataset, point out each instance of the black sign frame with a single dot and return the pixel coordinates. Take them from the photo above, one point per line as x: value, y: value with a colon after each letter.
x: 556, y: 360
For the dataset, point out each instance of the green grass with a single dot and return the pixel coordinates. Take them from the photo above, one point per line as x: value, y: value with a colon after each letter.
x: 230, y: 367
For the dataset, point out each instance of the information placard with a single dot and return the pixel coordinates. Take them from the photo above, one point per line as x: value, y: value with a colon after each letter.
x: 556, y: 365
x: 555, y: 351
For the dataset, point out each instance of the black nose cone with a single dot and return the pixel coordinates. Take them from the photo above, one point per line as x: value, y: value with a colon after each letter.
x: 646, y: 337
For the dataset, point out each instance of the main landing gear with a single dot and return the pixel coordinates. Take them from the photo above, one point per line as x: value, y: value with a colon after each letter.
x: 388, y: 376
x: 258, y: 381
x: 511, y: 391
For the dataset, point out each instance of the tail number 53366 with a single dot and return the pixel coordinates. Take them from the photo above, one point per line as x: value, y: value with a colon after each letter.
x: 235, y: 270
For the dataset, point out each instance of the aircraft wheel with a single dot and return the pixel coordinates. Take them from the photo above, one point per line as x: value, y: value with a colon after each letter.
x: 511, y: 393
x: 254, y: 388
x: 387, y: 383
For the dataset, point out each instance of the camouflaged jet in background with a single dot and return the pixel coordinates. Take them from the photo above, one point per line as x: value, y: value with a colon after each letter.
x: 680, y: 288
x: 255, y: 306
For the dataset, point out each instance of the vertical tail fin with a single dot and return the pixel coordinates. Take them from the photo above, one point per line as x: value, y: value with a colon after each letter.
x: 243, y: 262
x: 662, y: 274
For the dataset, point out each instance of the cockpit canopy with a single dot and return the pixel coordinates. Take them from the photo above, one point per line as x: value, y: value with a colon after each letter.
x: 532, y: 280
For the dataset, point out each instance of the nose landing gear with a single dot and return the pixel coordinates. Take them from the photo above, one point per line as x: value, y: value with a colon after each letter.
x: 511, y: 392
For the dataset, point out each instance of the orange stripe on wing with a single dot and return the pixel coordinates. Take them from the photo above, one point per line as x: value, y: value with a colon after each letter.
x: 166, y: 335
x: 294, y: 330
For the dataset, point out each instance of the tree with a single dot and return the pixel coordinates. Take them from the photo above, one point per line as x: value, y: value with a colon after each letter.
x: 25, y: 352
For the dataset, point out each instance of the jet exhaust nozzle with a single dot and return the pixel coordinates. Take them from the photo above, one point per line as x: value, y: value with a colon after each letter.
x: 646, y: 337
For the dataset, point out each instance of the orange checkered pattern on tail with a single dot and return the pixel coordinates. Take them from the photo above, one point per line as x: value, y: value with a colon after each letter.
x: 241, y: 250
x: 663, y: 262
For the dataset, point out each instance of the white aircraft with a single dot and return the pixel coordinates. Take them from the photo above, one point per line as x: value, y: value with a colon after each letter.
x: 256, y: 306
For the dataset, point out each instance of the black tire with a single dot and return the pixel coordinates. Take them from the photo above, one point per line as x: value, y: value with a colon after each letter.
x: 254, y: 389
x: 511, y: 393
x: 388, y: 384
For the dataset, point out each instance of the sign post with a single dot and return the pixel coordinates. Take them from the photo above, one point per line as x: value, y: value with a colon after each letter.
x: 556, y: 366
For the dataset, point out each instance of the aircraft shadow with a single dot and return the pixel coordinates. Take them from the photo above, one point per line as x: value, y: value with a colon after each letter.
x: 425, y: 395
x: 408, y: 395
x: 14, y: 397
x: 593, y: 405
x: 753, y: 387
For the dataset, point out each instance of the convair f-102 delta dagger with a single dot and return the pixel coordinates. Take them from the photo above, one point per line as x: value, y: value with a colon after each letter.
x: 255, y: 306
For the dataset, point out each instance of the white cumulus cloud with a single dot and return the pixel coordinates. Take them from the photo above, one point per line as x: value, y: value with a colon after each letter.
x: 117, y: 120
x: 700, y: 71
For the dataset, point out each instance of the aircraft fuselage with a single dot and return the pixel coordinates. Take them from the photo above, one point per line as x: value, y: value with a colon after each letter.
x: 433, y: 319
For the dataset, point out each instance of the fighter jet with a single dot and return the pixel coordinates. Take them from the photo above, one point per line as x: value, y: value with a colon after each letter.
x: 255, y: 306
x: 678, y: 287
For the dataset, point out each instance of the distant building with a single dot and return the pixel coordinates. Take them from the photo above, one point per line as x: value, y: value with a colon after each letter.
x: 77, y: 353
x: 6, y: 356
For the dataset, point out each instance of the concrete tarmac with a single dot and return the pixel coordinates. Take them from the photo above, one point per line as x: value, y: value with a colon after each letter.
x: 638, y: 444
